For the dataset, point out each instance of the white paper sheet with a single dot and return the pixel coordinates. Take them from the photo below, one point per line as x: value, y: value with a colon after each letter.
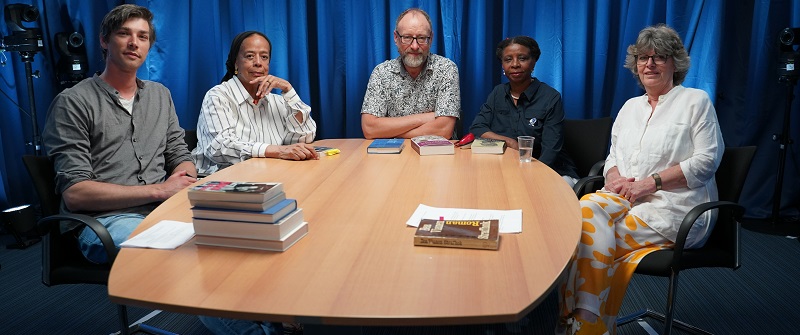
x: 510, y: 220
x: 166, y: 234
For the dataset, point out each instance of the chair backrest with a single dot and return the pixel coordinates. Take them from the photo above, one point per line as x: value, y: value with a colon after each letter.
x: 62, y: 261
x: 43, y: 176
x: 190, y: 137
x: 733, y: 171
x: 730, y: 177
x: 586, y: 142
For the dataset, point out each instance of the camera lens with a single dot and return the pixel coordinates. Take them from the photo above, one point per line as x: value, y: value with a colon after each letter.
x: 30, y: 14
x: 75, y: 40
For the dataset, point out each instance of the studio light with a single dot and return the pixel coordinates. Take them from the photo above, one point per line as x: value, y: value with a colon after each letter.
x: 20, y: 220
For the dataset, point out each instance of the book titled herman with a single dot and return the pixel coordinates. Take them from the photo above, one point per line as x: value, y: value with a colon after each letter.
x: 248, y: 243
x: 488, y: 146
x: 235, y: 191
x: 252, y: 230
x: 474, y: 234
x: 386, y: 146
x: 432, y: 145
x: 269, y: 215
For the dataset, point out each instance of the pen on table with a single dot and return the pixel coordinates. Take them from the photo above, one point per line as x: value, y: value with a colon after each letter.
x: 188, y: 175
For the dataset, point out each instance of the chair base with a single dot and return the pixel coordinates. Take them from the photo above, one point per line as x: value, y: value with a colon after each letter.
x: 660, y: 317
x: 138, y: 328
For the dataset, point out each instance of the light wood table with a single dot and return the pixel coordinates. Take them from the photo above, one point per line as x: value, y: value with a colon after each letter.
x: 358, y: 264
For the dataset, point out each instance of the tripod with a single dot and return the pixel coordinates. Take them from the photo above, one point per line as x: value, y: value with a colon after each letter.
x: 783, y: 144
x: 36, y: 141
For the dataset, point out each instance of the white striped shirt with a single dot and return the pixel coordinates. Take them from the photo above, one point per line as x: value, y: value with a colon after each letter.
x: 232, y: 129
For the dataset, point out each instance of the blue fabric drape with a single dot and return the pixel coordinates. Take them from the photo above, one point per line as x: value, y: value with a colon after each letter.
x: 327, y: 50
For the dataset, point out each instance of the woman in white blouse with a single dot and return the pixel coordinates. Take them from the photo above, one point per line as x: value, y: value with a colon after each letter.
x: 240, y: 118
x: 666, y: 146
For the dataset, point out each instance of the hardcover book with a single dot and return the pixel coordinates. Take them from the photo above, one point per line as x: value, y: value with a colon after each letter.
x: 252, y: 230
x: 247, y: 243
x: 245, y: 206
x: 386, y: 146
x: 235, y: 191
x: 432, y: 145
x: 270, y: 215
x: 474, y: 234
x: 488, y: 146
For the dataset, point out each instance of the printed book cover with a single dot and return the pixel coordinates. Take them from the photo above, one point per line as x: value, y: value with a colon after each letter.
x: 474, y: 234
x: 386, y: 146
x: 239, y: 229
x: 432, y: 145
x: 270, y: 215
x: 488, y: 146
x: 216, y: 190
x: 248, y: 243
x: 244, y: 206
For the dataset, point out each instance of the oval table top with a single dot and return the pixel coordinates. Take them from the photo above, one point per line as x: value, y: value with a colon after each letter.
x: 358, y: 264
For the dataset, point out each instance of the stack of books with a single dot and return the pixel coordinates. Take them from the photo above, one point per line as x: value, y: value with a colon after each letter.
x: 245, y: 215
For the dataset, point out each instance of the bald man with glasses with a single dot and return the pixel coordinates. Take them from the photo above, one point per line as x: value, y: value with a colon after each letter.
x: 416, y: 93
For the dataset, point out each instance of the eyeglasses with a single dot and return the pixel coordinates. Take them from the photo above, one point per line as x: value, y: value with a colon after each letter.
x: 421, y: 40
x: 657, y: 59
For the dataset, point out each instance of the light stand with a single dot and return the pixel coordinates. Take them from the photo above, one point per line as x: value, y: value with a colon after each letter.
x: 789, y: 73
x: 26, y: 41
x: 36, y: 141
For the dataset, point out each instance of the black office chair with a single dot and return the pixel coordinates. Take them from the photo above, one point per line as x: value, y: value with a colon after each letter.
x: 721, y: 249
x: 586, y: 142
x: 190, y: 137
x: 62, y: 261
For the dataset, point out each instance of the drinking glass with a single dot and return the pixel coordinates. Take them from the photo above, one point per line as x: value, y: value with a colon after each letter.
x: 525, y: 148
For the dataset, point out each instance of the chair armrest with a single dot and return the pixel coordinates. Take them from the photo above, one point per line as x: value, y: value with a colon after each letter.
x: 688, y: 221
x: 54, y: 221
x: 597, y: 168
x: 580, y: 186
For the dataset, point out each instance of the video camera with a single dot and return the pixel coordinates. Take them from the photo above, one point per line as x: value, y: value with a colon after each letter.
x: 26, y: 41
x: 788, y: 67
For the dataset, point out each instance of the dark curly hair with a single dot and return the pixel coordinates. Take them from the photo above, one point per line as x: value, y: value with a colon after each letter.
x: 525, y: 41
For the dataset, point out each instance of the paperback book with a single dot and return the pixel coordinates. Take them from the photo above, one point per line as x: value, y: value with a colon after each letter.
x: 248, y: 243
x: 270, y: 215
x: 386, y: 146
x: 252, y: 230
x: 245, y: 206
x: 474, y: 234
x: 488, y: 146
x: 235, y: 191
x: 432, y: 145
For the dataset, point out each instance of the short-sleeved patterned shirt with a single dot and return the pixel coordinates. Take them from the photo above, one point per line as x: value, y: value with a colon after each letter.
x: 392, y: 92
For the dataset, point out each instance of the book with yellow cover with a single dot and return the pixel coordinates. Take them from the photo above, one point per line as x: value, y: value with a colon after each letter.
x: 475, y: 234
x: 488, y: 146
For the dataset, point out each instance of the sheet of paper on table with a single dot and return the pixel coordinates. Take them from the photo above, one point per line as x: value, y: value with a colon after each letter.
x: 166, y: 234
x: 510, y: 220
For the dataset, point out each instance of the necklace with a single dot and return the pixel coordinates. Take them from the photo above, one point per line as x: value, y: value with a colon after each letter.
x: 513, y: 97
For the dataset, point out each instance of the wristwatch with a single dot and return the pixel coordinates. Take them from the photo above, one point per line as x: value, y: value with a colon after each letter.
x: 657, y: 178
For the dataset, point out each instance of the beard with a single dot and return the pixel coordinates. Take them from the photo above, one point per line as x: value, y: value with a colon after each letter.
x: 412, y: 60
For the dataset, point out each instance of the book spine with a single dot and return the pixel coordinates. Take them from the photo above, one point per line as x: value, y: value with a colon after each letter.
x: 453, y: 242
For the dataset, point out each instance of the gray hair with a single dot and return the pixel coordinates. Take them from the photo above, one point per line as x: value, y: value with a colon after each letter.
x: 664, y: 41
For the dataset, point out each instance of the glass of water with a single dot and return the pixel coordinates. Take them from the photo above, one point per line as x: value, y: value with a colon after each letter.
x: 525, y: 148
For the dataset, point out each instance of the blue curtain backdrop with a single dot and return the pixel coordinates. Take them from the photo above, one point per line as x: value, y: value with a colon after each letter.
x: 327, y: 50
